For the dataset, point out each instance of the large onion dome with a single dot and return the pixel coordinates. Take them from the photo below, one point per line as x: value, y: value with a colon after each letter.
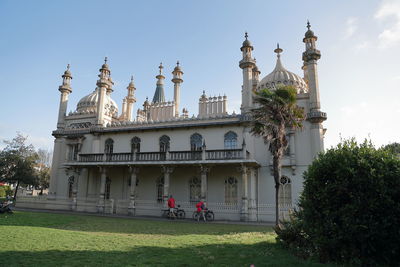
x: 282, y: 76
x: 88, y: 104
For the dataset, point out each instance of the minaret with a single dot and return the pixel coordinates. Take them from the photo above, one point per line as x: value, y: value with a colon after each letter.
x: 65, y: 90
x: 104, y: 84
x: 247, y: 64
x: 130, y: 99
x: 310, y: 57
x: 177, y: 80
x: 159, y: 93
x: 256, y: 76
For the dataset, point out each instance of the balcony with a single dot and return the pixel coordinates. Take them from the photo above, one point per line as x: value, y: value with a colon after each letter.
x: 206, y: 155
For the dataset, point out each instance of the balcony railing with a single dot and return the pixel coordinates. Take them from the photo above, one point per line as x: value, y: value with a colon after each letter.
x: 150, y: 156
x: 185, y: 155
x: 224, y: 154
x: 221, y: 154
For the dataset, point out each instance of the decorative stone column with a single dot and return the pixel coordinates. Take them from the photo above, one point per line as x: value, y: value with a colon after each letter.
x: 101, y: 204
x: 167, y: 171
x: 77, y: 172
x: 133, y: 171
x: 244, y: 215
x: 203, y: 173
x: 253, y: 194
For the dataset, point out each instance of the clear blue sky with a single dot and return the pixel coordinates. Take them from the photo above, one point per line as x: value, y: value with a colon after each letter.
x: 359, y: 69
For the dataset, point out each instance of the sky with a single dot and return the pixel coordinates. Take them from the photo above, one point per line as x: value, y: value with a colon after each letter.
x: 359, y: 72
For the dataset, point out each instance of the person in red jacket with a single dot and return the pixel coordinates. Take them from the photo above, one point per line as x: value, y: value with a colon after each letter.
x: 200, y: 206
x: 171, y: 206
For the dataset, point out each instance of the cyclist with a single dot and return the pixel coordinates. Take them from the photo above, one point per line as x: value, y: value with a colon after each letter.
x: 200, y: 210
x: 171, y: 206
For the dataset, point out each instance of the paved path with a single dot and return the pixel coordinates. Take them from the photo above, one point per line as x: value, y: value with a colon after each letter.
x: 152, y: 218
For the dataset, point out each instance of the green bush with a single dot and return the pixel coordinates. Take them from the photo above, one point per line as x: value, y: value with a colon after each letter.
x: 350, y: 208
x: 5, y: 190
x: 2, y: 191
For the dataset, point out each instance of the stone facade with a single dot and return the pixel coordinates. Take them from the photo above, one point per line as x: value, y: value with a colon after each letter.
x: 112, y: 163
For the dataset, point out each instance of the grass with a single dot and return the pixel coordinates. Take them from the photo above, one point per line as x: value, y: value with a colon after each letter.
x: 47, y: 239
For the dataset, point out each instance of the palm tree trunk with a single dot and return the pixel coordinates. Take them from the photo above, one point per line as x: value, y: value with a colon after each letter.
x: 277, y: 176
x: 16, y: 190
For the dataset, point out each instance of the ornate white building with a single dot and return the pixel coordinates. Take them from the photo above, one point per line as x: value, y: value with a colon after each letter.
x: 107, y: 160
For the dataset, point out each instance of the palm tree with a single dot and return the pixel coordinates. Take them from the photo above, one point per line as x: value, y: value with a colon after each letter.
x: 276, y: 111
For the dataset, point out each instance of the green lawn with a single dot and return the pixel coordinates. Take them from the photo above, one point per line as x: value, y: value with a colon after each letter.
x: 42, y: 239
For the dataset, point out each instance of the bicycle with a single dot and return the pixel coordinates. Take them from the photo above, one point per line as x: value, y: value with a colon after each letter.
x: 208, y: 215
x: 177, y: 213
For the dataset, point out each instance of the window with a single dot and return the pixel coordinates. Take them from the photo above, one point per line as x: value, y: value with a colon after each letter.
x: 196, y: 142
x: 160, y: 188
x: 231, y: 190
x: 70, y: 186
x: 164, y: 143
x: 108, y: 188
x: 195, y: 189
x: 230, y: 140
x: 73, y: 152
x: 287, y: 150
x: 285, y: 191
x: 135, y: 144
x: 109, y: 146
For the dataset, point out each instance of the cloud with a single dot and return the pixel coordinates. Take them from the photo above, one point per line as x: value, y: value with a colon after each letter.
x: 389, y: 11
x: 351, y: 27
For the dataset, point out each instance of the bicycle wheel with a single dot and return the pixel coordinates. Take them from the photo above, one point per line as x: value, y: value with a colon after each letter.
x: 195, y: 215
x: 181, y: 214
x: 210, y: 216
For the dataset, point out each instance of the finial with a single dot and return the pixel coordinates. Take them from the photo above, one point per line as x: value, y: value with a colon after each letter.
x: 278, y: 50
x: 177, y: 63
x: 131, y: 78
x: 68, y: 66
x: 308, y: 25
x: 105, y: 60
x: 160, y: 67
x: 246, y: 35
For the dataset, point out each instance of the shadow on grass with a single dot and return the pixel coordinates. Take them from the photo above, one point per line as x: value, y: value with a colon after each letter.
x: 259, y: 254
x: 123, y: 225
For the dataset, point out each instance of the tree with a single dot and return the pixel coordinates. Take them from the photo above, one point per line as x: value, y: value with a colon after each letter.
x: 17, y: 162
x: 276, y: 112
x: 393, y: 148
x: 349, y: 208
x: 43, y: 169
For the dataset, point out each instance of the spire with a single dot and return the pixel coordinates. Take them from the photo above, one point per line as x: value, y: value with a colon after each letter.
x: 278, y: 52
x: 309, y: 33
x: 159, y: 95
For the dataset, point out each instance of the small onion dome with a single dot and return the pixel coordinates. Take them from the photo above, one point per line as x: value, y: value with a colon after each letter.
x: 246, y: 42
x: 67, y: 72
x: 281, y: 76
x: 309, y: 33
x: 177, y: 68
x: 105, y: 65
x: 88, y: 104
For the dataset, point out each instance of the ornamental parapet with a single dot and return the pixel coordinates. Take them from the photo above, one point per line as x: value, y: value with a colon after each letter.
x: 311, y: 54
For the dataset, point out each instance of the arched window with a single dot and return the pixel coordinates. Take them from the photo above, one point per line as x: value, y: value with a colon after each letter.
x: 70, y: 186
x: 109, y: 146
x: 108, y: 188
x: 160, y: 188
x: 164, y: 143
x: 230, y: 140
x: 285, y: 191
x: 195, y: 189
x: 231, y: 190
x: 196, y: 141
x: 135, y: 144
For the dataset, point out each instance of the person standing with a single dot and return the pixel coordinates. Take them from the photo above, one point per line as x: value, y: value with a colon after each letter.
x: 171, y: 206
